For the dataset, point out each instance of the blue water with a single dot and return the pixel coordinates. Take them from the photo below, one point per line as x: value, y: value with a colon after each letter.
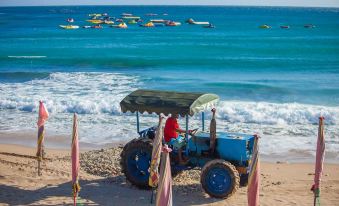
x: 271, y: 79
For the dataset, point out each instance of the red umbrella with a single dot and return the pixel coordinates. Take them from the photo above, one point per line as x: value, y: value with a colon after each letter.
x: 43, y: 116
x: 254, y: 176
x: 75, y: 159
x: 319, y: 162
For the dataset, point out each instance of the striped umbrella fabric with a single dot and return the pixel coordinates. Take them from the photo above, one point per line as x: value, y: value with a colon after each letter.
x: 319, y: 162
x: 43, y: 116
x: 164, y: 193
x: 156, y: 152
x: 254, y: 176
x: 75, y: 159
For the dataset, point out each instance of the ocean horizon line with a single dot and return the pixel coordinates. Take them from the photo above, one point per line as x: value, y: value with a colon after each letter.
x: 177, y: 5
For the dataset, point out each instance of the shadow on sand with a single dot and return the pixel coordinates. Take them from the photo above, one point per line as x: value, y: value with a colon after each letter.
x: 108, y: 191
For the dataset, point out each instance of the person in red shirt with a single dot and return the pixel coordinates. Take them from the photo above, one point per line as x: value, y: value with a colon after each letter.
x: 171, y: 131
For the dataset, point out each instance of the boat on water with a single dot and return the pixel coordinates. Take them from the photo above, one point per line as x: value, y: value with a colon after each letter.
x: 165, y: 14
x: 285, y: 26
x: 70, y: 20
x: 122, y: 25
x: 173, y: 23
x: 86, y: 27
x: 191, y: 21
x: 119, y: 20
x: 151, y: 14
x: 210, y: 26
x: 94, y: 15
x: 95, y: 21
x: 158, y: 21
x: 69, y: 26
x: 108, y: 22
x: 126, y: 14
x: 148, y: 24
x: 127, y: 18
x: 133, y: 21
x: 265, y: 26
x: 98, y: 26
x: 309, y: 26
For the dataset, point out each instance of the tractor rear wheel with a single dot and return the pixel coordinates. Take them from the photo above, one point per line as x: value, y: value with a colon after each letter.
x: 135, y: 162
x: 219, y: 178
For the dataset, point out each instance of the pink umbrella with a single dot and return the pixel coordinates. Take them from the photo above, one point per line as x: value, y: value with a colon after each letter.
x: 254, y: 176
x: 43, y: 116
x: 319, y: 162
x: 164, y: 193
x: 156, y: 151
x: 75, y: 159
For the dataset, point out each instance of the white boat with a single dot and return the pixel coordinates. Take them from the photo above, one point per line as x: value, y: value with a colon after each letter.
x: 191, y: 21
x: 69, y: 26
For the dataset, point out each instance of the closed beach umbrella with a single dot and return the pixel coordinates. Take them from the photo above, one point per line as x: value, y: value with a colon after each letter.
x: 164, y: 193
x: 319, y: 161
x: 43, y: 116
x: 75, y: 159
x: 254, y: 176
x: 156, y: 152
x: 213, y: 131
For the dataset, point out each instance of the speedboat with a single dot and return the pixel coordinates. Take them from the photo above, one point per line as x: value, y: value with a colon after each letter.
x: 265, y: 26
x: 70, y: 20
x: 308, y: 26
x: 148, y: 24
x: 108, y: 22
x: 158, y: 21
x: 133, y: 21
x: 284, y: 26
x: 95, y: 21
x: 98, y: 26
x: 122, y: 25
x: 210, y: 26
x: 86, y: 27
x: 173, y: 23
x: 69, y: 26
x: 191, y: 21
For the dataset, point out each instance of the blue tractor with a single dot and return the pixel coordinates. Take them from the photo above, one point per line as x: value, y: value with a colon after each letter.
x: 223, y: 157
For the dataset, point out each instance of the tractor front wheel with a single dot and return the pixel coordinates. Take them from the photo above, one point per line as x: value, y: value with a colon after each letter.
x: 219, y: 178
x: 135, y: 162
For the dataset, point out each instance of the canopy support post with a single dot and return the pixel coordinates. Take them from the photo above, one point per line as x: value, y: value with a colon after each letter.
x: 186, y: 136
x: 138, y: 126
x: 203, y: 120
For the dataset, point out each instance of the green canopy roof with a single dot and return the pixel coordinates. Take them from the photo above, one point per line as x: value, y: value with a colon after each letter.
x: 167, y: 102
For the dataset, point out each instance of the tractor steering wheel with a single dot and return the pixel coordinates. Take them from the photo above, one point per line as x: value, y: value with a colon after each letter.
x: 194, y: 131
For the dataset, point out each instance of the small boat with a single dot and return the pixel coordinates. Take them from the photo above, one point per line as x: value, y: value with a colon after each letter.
x: 191, y: 21
x: 98, y: 26
x: 95, y: 21
x: 284, y: 26
x: 131, y: 17
x: 173, y: 23
x: 126, y: 14
x: 86, y: 27
x: 148, y: 24
x: 265, y: 26
x: 108, y: 22
x: 158, y: 21
x: 122, y: 25
x: 69, y: 26
x: 133, y: 21
x: 309, y: 26
x: 151, y: 14
x: 210, y: 26
x: 94, y: 15
x: 165, y: 14
x: 119, y: 20
x: 70, y: 20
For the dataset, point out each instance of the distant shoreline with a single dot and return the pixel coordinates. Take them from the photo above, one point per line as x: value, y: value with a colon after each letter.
x: 176, y: 5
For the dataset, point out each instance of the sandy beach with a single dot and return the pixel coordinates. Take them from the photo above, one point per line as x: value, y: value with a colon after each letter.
x: 102, y: 183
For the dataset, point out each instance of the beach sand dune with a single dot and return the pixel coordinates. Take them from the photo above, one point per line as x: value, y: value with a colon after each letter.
x: 103, y: 184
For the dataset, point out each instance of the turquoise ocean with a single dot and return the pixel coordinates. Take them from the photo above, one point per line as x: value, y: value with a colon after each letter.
x: 275, y: 82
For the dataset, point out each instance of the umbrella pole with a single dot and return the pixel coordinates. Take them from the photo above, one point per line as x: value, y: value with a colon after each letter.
x: 152, y: 196
x: 39, y: 167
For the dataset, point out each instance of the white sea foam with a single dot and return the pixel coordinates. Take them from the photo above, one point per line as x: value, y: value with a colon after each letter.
x: 285, y: 128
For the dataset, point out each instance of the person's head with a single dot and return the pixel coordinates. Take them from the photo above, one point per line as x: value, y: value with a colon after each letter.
x: 176, y: 116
